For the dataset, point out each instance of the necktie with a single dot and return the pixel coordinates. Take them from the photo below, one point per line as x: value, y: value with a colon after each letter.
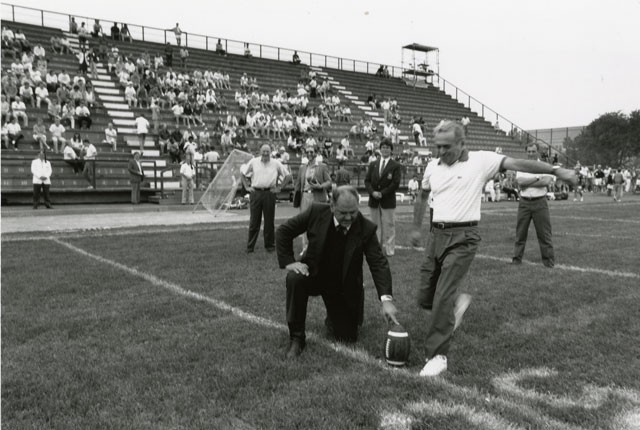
x: 382, y: 164
x: 342, y: 230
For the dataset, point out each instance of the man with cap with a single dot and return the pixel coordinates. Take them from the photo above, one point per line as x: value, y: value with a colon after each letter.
x: 382, y: 180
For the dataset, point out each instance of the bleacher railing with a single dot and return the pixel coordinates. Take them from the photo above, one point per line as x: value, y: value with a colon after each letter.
x: 192, y: 40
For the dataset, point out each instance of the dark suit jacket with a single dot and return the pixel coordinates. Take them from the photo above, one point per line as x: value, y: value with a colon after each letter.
x: 321, y: 176
x: 361, y: 242
x: 387, y: 183
x: 135, y: 175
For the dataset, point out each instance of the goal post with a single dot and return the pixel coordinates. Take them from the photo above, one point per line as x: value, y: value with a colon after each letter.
x: 223, y: 188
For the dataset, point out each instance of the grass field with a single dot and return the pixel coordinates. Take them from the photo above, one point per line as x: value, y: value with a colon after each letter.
x: 179, y: 329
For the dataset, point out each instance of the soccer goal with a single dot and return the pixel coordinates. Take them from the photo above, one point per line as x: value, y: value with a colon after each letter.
x: 221, y: 192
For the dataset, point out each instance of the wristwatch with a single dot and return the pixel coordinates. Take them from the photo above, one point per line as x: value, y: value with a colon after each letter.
x: 386, y: 298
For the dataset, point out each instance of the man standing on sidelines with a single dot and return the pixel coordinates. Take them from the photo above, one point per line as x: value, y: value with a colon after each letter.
x: 456, y: 180
x: 533, y: 206
x: 136, y: 176
x: 267, y: 176
x: 382, y: 181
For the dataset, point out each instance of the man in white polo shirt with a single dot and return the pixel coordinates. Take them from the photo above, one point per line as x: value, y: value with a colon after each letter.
x: 267, y: 176
x: 533, y: 206
x: 456, y: 180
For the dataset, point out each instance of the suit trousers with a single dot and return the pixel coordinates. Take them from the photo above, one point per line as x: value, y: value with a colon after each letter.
x: 538, y: 211
x: 263, y: 202
x: 36, y: 194
x: 386, y: 222
x: 449, y: 254
x: 343, y: 317
x: 135, y: 193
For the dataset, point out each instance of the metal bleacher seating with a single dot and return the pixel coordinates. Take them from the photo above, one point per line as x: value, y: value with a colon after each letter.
x: 112, y: 180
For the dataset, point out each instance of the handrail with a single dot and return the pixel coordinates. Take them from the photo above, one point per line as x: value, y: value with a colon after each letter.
x: 274, y: 52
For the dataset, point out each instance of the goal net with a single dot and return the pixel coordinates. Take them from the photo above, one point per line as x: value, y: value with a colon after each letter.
x: 221, y: 192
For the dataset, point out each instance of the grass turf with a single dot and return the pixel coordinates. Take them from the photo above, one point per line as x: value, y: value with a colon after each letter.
x: 86, y: 344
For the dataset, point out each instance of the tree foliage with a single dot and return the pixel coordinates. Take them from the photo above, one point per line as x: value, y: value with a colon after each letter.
x: 612, y: 139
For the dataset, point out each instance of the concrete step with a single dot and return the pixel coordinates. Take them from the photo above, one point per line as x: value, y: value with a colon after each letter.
x: 339, y: 87
x: 112, y: 91
x: 316, y: 68
x: 121, y: 114
x: 120, y: 106
x: 127, y: 130
x: 352, y: 97
x: 124, y: 122
x: 112, y: 98
x: 358, y: 102
x: 371, y: 113
x: 148, y: 143
x: 363, y: 107
x: 159, y: 163
x: 379, y: 119
x: 102, y: 75
x: 107, y: 84
x: 344, y: 92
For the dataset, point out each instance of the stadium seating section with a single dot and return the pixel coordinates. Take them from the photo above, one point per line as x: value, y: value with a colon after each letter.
x: 112, y: 180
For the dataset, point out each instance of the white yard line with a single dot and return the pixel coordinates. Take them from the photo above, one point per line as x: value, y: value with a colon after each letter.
x: 389, y: 419
x: 614, y: 273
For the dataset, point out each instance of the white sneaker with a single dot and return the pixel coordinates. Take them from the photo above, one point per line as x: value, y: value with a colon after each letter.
x: 435, y: 366
x: 459, y: 308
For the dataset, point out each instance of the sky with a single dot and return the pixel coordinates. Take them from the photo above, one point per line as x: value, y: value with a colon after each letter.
x: 540, y: 64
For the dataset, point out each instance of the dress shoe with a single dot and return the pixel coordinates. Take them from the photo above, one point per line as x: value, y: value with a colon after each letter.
x: 295, y: 348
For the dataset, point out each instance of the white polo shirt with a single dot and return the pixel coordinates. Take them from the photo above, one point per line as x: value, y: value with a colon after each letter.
x: 456, y: 189
x: 532, y: 192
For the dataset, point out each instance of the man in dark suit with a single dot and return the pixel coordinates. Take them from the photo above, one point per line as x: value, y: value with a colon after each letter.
x: 136, y: 175
x: 339, y: 237
x: 382, y: 181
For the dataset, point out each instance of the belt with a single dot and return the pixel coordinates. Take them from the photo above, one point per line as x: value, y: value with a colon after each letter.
x: 529, y: 199
x: 261, y: 189
x: 443, y: 225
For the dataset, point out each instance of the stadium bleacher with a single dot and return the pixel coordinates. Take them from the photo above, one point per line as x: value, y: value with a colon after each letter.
x: 111, y: 179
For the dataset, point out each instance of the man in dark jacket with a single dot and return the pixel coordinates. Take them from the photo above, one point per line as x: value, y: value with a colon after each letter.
x: 382, y: 181
x: 339, y: 237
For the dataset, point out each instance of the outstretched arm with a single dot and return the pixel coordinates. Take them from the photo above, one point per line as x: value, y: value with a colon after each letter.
x: 532, y: 166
